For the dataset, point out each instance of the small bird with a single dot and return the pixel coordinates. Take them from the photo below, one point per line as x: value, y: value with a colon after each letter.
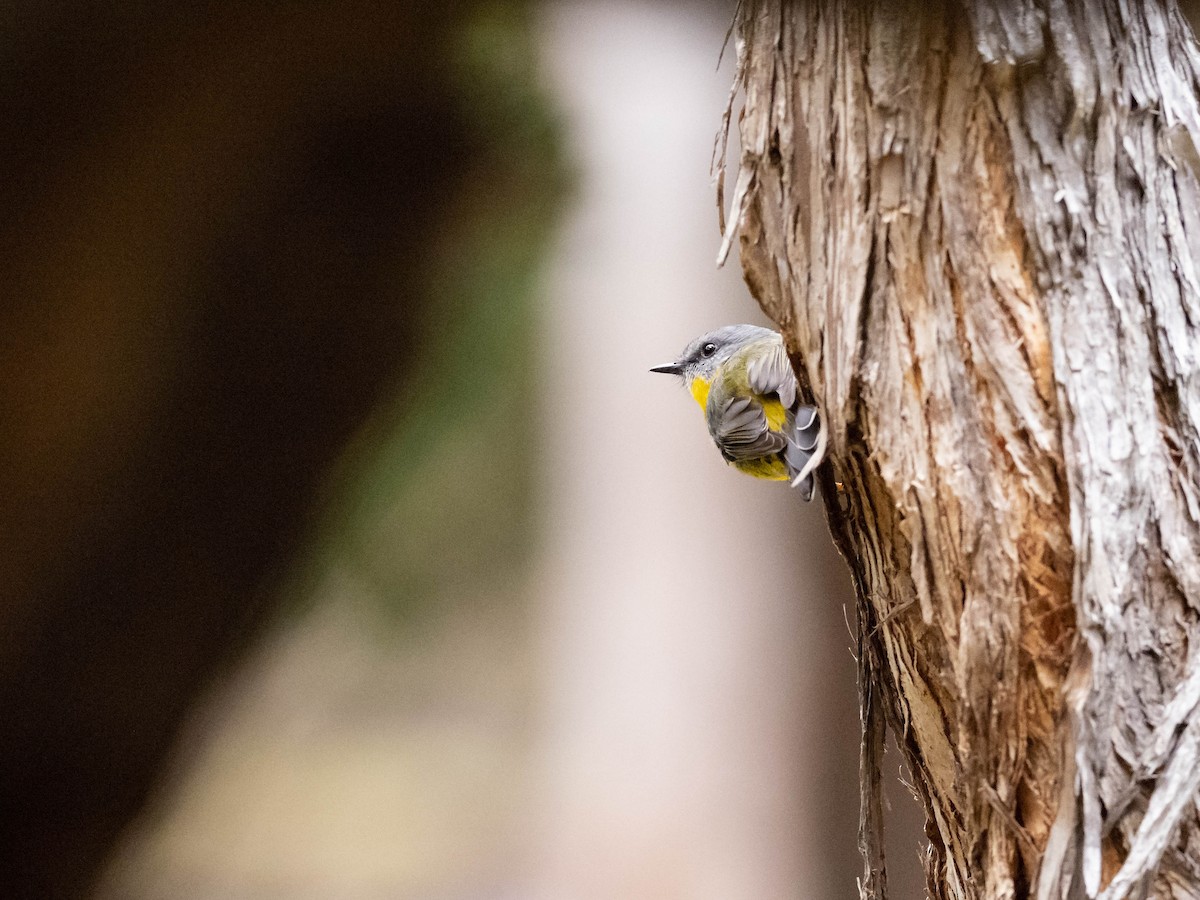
x: 742, y: 379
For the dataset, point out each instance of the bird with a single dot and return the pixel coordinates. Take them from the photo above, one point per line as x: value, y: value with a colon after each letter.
x: 742, y: 378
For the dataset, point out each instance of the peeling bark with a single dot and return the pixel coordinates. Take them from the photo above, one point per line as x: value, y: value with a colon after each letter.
x: 978, y: 226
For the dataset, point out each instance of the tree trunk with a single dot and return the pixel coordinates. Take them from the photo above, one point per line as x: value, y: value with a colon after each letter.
x: 978, y: 226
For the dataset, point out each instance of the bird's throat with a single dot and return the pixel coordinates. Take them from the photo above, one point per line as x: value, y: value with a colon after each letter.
x: 699, y: 388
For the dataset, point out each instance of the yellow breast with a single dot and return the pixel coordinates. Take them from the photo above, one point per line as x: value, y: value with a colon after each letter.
x: 772, y: 468
x: 775, y: 412
x: 699, y: 388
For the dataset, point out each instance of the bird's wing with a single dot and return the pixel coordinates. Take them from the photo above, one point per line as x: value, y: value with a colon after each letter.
x: 804, y: 447
x: 739, y: 428
x: 771, y: 373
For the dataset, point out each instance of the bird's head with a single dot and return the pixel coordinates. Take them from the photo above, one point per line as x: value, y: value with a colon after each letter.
x: 702, y: 356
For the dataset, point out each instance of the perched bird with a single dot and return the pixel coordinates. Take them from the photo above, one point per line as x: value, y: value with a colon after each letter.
x: 742, y: 378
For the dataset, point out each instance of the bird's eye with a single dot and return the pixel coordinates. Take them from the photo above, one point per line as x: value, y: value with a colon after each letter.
x: 708, y: 349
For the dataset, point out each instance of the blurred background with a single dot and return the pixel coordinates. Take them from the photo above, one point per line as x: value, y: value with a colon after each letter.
x: 348, y: 548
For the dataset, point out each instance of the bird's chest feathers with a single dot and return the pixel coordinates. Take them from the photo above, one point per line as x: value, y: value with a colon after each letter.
x: 700, y: 388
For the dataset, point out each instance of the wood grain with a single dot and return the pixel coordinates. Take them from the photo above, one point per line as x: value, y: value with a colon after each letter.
x: 977, y: 225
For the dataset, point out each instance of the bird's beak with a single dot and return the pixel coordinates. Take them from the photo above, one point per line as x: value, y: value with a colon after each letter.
x: 669, y: 369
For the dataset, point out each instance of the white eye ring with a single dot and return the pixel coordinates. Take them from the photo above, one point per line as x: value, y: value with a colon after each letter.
x: 708, y: 349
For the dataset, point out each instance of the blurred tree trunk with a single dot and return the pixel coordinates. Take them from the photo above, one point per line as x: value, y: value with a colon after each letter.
x: 978, y: 225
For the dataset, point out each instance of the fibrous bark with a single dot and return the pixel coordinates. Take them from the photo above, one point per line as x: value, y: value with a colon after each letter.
x: 978, y: 226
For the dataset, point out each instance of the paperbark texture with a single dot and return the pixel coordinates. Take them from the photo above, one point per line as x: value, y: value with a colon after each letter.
x: 978, y: 226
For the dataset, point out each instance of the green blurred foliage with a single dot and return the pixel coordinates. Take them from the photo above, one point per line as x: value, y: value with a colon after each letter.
x: 435, y: 499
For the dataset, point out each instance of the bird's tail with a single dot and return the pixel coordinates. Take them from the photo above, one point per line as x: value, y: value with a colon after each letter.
x: 805, y: 448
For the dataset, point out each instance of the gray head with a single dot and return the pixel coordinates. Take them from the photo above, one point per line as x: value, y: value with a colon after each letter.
x: 705, y: 353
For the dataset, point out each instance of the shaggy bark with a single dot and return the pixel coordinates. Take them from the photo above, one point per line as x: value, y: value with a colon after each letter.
x: 978, y: 226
